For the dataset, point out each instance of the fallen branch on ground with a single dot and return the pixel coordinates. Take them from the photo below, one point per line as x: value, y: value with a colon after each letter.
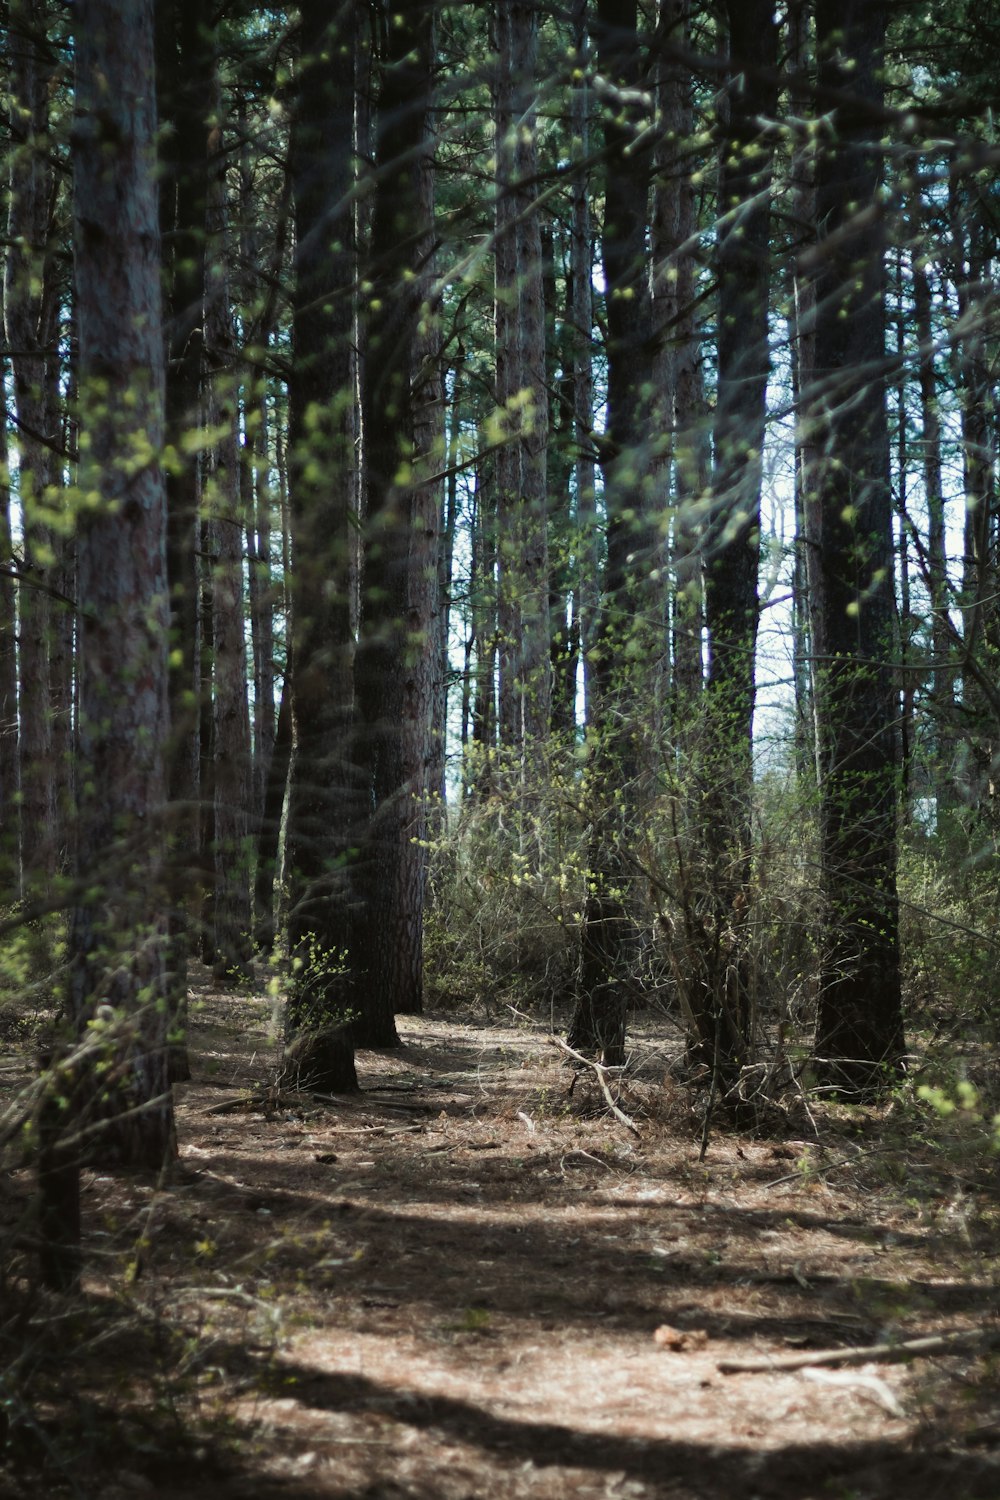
x: 599, y: 1070
x: 942, y: 1343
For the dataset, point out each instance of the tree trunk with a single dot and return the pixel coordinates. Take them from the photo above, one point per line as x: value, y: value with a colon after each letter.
x: 394, y: 660
x: 184, y: 94
x: 581, y: 302
x: 10, y: 802
x: 522, y: 401
x: 680, y: 386
x: 325, y: 815
x: 859, y: 1035
x: 627, y: 636
x: 118, y: 928
x: 30, y: 321
x: 725, y: 1020
x: 232, y: 783
x: 943, y: 675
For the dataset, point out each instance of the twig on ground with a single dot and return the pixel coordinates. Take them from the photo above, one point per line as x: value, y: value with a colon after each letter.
x: 941, y: 1343
x: 600, y: 1072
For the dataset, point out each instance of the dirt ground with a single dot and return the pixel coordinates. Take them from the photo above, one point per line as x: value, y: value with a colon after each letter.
x: 466, y: 1283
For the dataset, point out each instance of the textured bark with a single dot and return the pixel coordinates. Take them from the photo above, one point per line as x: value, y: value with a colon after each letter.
x: 627, y: 635
x: 394, y: 661
x: 680, y: 387
x: 859, y: 1036
x: 232, y: 764
x: 268, y: 843
x: 805, y: 586
x: 184, y: 96
x: 325, y: 816
x: 943, y: 679
x: 10, y: 802
x: 722, y: 1001
x: 980, y: 614
x: 581, y: 302
x: 118, y: 929
x: 30, y: 322
x: 522, y: 398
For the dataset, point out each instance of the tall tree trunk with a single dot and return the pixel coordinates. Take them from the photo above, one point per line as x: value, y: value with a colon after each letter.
x: 806, y: 581
x: 679, y: 381
x: 976, y: 406
x: 30, y: 314
x: 118, y: 928
x: 184, y: 93
x: 942, y: 680
x: 628, y: 634
x: 724, y: 1018
x: 325, y: 811
x: 269, y: 840
x: 232, y: 774
x: 525, y: 686
x: 581, y: 303
x: 859, y: 1034
x: 10, y: 801
x: 394, y: 659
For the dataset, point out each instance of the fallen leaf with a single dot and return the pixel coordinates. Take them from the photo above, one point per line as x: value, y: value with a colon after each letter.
x: 679, y: 1338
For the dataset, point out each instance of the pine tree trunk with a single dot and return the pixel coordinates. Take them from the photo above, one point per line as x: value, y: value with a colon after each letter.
x: 232, y: 764
x: 325, y: 810
x: 394, y: 660
x: 118, y: 928
x: 524, y: 630
x: 10, y: 802
x: 859, y: 1034
x: 627, y: 637
x: 581, y: 301
x: 184, y: 94
x: 724, y: 786
x: 30, y: 334
x: 942, y: 682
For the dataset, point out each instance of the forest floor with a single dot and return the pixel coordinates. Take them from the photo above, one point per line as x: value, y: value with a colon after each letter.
x: 466, y: 1283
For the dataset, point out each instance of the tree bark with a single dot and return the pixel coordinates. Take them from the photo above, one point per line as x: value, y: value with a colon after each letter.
x: 232, y: 783
x: 30, y: 322
x: 10, y: 801
x: 325, y: 812
x: 723, y: 1001
x: 522, y: 399
x: 394, y: 660
x: 627, y: 636
x: 184, y: 96
x: 859, y: 1034
x: 118, y: 928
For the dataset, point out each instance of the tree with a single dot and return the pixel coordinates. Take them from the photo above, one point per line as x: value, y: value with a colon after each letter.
x: 31, y: 316
x: 859, y: 1033
x: 184, y: 89
x: 394, y: 664
x: 118, y: 928
x: 626, y: 644
x: 732, y: 549
x: 325, y: 815
x: 522, y: 396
